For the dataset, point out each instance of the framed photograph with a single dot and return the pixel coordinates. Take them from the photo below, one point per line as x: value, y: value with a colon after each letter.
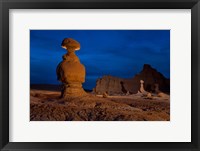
x: 99, y: 75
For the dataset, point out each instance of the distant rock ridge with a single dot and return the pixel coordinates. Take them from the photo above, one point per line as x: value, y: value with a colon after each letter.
x: 151, y: 77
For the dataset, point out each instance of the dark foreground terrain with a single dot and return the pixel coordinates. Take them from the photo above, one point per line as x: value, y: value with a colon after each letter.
x: 47, y: 106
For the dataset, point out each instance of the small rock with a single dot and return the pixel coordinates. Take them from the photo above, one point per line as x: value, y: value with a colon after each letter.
x: 105, y: 95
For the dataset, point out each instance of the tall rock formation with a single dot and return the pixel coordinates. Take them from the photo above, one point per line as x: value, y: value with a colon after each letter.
x: 70, y: 71
x: 150, y: 76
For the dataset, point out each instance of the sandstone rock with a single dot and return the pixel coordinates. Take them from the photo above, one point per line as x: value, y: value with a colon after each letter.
x: 163, y: 95
x: 105, y: 95
x: 70, y: 44
x: 157, y: 88
x: 142, y: 88
x: 70, y: 71
x: 109, y: 84
x: 150, y: 76
x: 127, y: 93
x: 149, y: 95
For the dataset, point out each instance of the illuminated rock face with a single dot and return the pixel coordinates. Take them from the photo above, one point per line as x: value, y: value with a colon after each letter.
x: 114, y: 85
x: 70, y: 71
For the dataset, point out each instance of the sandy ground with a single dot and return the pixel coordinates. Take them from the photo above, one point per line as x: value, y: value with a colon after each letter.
x: 47, y: 106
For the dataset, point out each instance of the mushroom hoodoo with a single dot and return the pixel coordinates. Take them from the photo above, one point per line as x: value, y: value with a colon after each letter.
x: 70, y: 71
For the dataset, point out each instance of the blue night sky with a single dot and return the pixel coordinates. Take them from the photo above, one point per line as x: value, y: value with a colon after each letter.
x: 120, y: 53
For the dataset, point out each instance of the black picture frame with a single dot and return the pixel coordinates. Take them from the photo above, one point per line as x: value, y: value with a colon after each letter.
x: 5, y: 5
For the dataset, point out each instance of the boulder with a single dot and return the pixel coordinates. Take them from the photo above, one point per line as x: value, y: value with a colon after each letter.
x: 105, y: 95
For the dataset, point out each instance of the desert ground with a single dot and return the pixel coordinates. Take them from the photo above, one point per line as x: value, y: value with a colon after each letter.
x: 46, y: 105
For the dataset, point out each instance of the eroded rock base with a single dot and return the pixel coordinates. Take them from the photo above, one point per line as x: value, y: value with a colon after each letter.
x: 72, y: 90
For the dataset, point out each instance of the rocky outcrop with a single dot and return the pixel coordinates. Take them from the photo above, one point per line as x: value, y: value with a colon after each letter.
x: 151, y: 77
x: 70, y: 71
x: 109, y: 85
